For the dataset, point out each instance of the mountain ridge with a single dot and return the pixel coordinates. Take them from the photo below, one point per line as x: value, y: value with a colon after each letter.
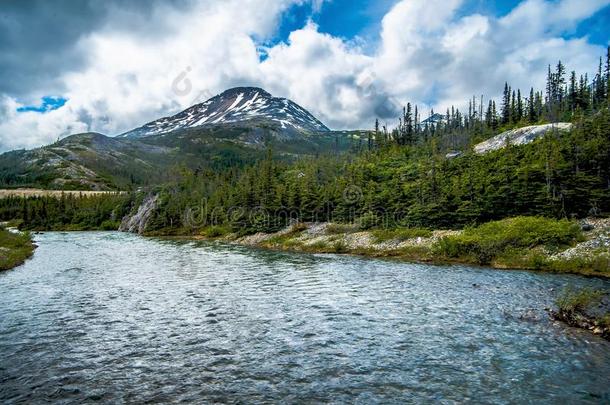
x: 236, y: 105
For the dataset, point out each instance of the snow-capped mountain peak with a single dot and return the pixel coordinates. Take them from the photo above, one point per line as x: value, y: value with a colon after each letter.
x: 235, y: 105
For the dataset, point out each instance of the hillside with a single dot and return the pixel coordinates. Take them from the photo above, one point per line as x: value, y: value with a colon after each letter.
x: 94, y: 161
x: 88, y: 161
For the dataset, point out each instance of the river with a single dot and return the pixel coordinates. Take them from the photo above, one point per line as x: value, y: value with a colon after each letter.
x: 119, y: 318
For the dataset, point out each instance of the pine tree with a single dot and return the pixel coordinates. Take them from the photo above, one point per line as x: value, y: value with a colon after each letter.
x: 519, y: 106
x: 584, y: 93
x: 416, y: 120
x: 549, y: 87
x: 488, y: 118
x: 608, y: 75
x: 573, y: 92
x: 560, y: 82
x: 377, y: 130
x: 513, y: 108
x: 531, y: 108
x: 506, y: 104
x: 408, y: 122
x: 539, y: 105
x: 599, y: 93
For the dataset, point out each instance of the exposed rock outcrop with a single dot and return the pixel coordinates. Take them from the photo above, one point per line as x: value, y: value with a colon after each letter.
x: 136, y: 223
x: 597, y: 241
x: 519, y: 136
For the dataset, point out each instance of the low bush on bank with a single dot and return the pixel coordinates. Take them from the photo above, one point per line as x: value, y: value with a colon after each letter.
x: 368, y: 220
x: 585, y: 308
x: 339, y: 246
x: 484, y: 243
x: 336, y: 229
x: 215, y: 231
x: 296, y: 230
x: 15, y: 248
x: 578, y: 301
x: 400, y: 234
x: 110, y: 225
x: 596, y: 264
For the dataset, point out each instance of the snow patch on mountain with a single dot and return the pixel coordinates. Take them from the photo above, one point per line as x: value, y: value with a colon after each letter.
x: 233, y: 106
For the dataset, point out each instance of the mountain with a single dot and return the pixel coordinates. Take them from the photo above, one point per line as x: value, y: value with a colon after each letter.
x: 242, y: 105
x: 232, y: 129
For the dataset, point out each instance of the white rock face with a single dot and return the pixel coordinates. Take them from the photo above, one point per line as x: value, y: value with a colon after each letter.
x: 137, y: 223
x: 519, y: 136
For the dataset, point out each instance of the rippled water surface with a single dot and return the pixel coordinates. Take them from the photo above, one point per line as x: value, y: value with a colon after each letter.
x: 119, y: 318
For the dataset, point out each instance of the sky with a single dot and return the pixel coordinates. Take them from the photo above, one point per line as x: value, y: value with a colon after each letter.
x: 71, y: 66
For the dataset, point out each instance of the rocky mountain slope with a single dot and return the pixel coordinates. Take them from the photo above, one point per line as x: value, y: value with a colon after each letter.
x: 86, y: 161
x: 237, y: 105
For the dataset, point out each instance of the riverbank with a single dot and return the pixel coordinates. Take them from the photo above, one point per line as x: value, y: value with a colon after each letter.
x: 15, y: 248
x: 528, y: 243
x: 586, y: 309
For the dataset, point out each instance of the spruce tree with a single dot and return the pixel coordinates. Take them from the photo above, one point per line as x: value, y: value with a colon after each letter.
x: 573, y: 92
x: 531, y: 108
x: 513, y: 108
x: 519, y: 106
x: 506, y: 104
x: 599, y: 92
x: 608, y: 76
x: 408, y: 122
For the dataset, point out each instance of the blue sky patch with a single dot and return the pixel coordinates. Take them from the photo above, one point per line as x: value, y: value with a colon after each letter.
x: 49, y: 103
x: 345, y: 19
x: 596, y: 28
x: 348, y: 19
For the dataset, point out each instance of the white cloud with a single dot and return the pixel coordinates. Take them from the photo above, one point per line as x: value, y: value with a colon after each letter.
x: 427, y: 53
x: 320, y: 72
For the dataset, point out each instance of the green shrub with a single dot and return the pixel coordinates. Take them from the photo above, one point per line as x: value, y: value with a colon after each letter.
x: 368, y: 221
x: 215, y: 231
x: 605, y: 320
x: 578, y: 301
x: 488, y: 241
x: 335, y: 229
x: 109, y: 225
x: 401, y: 234
x: 318, y: 247
x: 297, y: 229
x: 340, y: 247
x: 15, y: 248
x: 593, y: 264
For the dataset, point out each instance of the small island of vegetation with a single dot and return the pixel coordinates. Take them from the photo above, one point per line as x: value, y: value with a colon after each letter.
x: 15, y: 248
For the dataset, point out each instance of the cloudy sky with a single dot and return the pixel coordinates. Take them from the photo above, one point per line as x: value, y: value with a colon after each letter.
x: 70, y: 66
